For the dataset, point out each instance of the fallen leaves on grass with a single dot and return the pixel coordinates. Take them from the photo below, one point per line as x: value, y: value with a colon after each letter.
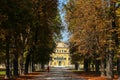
x: 91, y: 75
x: 29, y: 76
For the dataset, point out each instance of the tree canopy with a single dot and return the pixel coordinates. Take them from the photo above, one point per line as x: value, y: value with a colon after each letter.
x: 29, y: 30
x: 94, y: 31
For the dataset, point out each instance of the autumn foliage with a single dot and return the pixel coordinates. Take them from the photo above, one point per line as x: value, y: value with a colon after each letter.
x: 94, y: 28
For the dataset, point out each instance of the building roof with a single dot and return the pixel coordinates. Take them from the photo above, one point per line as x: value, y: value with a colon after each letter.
x: 62, y: 45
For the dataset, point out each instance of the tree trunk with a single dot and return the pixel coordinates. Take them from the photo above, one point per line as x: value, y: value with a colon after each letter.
x: 102, y: 67
x: 109, y: 65
x: 15, y: 59
x: 42, y: 66
x: 7, y: 57
x: 97, y: 64
x: 118, y: 67
x: 15, y: 64
x: 32, y: 60
x: 114, y: 34
x: 86, y: 65
x: 76, y: 66
x: 27, y: 63
x: 21, y: 64
x: 33, y: 67
x: 30, y: 67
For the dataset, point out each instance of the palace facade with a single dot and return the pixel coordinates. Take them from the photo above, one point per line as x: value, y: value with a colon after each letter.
x: 61, y: 56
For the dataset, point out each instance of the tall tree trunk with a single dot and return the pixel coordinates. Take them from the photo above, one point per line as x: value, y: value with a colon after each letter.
x: 102, y: 67
x: 115, y: 34
x: 86, y: 65
x: 34, y: 47
x: 97, y: 64
x: 7, y: 57
x: 21, y: 63
x: 15, y: 59
x: 76, y: 66
x: 109, y: 65
x: 33, y: 67
x: 27, y: 63
x: 32, y: 62
x: 15, y: 64
x: 42, y: 66
x: 118, y: 67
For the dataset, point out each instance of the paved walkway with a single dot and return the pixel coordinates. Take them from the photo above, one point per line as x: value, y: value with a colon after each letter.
x: 58, y: 74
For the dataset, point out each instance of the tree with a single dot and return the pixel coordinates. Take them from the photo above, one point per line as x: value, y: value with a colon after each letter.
x: 14, y: 11
x: 90, y: 24
x: 28, y: 26
x: 45, y: 27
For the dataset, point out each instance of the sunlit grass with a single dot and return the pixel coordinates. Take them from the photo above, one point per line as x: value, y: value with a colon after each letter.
x: 2, y: 72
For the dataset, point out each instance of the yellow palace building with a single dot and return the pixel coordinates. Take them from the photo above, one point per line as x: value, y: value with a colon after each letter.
x: 61, y: 56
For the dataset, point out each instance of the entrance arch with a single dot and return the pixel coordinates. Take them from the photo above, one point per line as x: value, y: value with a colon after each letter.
x: 59, y: 64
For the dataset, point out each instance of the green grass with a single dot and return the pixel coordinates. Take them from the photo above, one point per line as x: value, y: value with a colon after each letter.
x: 2, y: 72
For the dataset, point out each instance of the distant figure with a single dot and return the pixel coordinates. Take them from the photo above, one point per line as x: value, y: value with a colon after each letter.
x: 48, y: 68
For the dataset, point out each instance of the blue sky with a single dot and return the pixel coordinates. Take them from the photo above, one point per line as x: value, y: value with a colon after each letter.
x: 65, y: 33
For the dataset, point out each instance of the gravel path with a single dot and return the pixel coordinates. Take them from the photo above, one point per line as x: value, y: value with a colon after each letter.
x: 58, y: 73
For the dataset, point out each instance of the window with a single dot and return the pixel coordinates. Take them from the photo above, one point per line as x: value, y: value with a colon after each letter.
x: 51, y: 63
x: 68, y: 58
x: 65, y: 51
x: 59, y: 58
x: 55, y: 58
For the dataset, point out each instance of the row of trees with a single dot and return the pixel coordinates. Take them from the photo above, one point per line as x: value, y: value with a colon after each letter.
x: 28, y: 31
x: 94, y: 26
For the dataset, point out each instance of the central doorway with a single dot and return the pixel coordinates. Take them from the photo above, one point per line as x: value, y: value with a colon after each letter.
x: 59, y: 63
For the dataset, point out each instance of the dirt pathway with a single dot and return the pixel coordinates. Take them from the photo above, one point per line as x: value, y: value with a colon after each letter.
x: 58, y: 74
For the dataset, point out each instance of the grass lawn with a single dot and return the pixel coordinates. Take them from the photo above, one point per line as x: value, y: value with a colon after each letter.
x: 2, y: 72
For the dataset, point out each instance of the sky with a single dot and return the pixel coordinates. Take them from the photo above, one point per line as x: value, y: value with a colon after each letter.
x: 65, y: 33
